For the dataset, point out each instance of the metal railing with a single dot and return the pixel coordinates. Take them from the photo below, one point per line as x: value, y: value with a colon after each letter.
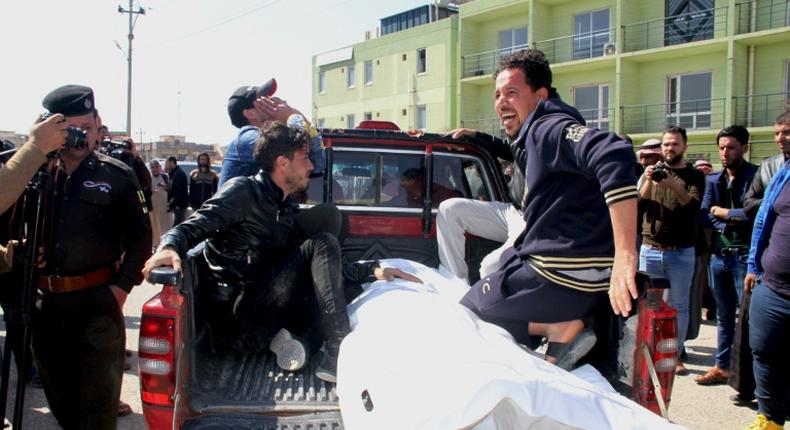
x: 675, y: 30
x: 599, y: 118
x: 485, y: 63
x: 492, y: 126
x: 578, y: 46
x: 689, y: 114
x: 764, y: 108
x: 759, y: 15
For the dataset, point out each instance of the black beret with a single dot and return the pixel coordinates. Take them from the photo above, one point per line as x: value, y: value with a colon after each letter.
x: 243, y: 97
x: 70, y: 100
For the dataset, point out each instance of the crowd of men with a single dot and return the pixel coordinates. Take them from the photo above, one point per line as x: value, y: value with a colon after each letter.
x: 579, y: 205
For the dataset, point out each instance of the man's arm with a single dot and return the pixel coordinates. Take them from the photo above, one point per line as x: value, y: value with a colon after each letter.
x: 497, y: 147
x: 708, y: 217
x: 754, y: 196
x: 622, y: 285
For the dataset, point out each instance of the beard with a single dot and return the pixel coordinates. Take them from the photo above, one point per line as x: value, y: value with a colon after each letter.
x: 731, y: 165
x: 674, y: 160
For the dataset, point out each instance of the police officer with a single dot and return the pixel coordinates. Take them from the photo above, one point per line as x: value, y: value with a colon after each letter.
x: 97, y: 235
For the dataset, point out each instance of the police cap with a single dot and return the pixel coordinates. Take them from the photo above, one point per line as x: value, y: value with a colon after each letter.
x: 70, y: 100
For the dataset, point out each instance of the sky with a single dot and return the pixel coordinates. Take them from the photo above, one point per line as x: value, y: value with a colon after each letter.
x: 188, y: 56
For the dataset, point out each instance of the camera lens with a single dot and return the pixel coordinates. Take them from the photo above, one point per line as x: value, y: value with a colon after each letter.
x: 77, y: 138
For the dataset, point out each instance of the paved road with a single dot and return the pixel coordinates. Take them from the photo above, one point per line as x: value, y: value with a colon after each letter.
x: 699, y: 408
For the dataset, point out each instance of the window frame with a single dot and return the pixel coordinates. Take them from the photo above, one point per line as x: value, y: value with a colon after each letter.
x: 351, y: 76
x: 673, y: 115
x: 350, y: 120
x: 369, y: 72
x: 422, y: 60
x: 600, y: 119
x: 513, y: 45
x: 321, y: 82
x: 589, y: 37
x: 421, y: 113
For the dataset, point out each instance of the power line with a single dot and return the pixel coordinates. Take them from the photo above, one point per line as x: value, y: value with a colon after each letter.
x: 213, y: 26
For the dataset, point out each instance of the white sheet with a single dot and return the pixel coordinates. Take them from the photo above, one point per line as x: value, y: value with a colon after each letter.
x: 426, y: 362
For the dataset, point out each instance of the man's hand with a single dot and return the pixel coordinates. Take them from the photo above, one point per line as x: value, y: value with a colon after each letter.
x: 120, y: 296
x: 461, y: 132
x: 9, y: 254
x: 390, y: 273
x: 622, y: 285
x: 50, y: 134
x: 749, y: 282
x: 273, y: 108
x: 719, y: 212
x: 165, y: 257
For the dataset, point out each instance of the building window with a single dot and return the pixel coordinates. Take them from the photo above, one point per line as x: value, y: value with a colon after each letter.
x: 688, y: 21
x: 368, y: 116
x: 512, y: 40
x: 422, y: 118
x: 590, y: 34
x: 321, y: 82
x: 421, y: 63
x: 368, y: 72
x: 321, y: 123
x: 689, y: 100
x: 350, y: 121
x: 351, y: 78
x: 593, y: 103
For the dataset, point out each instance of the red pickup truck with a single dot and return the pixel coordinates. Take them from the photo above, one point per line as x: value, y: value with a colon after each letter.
x: 186, y: 384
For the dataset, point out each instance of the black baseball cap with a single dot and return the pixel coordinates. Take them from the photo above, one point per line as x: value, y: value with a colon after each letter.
x: 243, y: 97
x: 70, y: 100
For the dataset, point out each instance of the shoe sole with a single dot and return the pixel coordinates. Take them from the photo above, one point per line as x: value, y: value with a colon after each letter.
x: 712, y: 382
x: 291, y: 353
x: 326, y: 376
x: 576, y: 349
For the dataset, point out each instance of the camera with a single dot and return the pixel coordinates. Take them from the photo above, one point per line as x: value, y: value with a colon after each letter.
x: 120, y: 150
x: 659, y: 172
x: 76, y: 138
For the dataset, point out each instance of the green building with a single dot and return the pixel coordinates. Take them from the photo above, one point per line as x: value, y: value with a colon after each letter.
x: 629, y: 66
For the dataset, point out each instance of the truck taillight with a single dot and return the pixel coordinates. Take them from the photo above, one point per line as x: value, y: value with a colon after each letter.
x: 157, y: 372
x: 656, y: 353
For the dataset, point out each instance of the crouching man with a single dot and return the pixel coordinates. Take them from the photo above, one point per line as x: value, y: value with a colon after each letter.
x: 284, y: 265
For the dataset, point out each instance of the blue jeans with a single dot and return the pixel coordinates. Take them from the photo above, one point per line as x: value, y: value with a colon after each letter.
x: 769, y: 325
x: 677, y: 266
x: 726, y: 283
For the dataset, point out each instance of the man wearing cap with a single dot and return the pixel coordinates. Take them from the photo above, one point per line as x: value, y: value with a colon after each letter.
x: 96, y: 237
x: 249, y: 107
x: 722, y: 209
x: 649, y: 154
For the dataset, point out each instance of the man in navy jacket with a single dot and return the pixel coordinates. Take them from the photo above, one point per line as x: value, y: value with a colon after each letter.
x: 580, y: 210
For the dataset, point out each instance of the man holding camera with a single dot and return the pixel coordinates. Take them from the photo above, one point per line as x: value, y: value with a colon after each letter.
x: 96, y: 237
x: 670, y: 196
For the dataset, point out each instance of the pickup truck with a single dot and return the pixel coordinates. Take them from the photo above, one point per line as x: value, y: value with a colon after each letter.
x: 185, y: 384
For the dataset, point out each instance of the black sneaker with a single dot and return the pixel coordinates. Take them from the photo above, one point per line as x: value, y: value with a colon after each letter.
x: 576, y: 349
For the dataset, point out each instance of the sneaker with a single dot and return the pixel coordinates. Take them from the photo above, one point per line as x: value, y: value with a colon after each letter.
x: 681, y: 370
x: 327, y: 370
x: 291, y: 352
x: 713, y: 376
x: 761, y: 422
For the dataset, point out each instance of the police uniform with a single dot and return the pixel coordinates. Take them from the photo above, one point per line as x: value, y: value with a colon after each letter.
x: 97, y: 234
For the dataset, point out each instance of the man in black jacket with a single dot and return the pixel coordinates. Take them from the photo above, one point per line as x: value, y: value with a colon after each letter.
x: 178, y: 194
x: 282, y: 263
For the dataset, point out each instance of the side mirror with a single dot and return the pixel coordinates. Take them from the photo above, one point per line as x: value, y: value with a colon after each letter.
x: 164, y: 275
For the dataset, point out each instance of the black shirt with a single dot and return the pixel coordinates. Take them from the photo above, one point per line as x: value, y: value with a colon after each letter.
x: 776, y: 258
x: 93, y: 217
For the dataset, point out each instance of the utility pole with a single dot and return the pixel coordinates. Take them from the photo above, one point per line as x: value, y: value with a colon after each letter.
x: 132, y: 20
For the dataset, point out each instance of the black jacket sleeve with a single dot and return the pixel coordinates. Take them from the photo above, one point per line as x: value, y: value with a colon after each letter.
x: 359, y: 272
x: 216, y: 215
x: 754, y: 196
x: 136, y: 238
x: 497, y: 147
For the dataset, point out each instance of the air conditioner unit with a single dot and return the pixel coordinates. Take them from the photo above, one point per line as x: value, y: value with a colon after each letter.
x: 609, y: 49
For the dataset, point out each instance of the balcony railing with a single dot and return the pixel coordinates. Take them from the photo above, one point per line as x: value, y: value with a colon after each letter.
x: 492, y: 126
x: 485, y: 63
x: 578, y: 46
x: 599, y: 118
x: 674, y: 30
x: 764, y: 108
x: 689, y: 114
x: 758, y: 15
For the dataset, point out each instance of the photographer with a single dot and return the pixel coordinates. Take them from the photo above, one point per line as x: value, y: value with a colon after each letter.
x: 671, y: 192
x: 96, y: 237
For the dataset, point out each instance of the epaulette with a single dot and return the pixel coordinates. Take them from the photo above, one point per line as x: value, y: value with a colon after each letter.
x: 104, y: 159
